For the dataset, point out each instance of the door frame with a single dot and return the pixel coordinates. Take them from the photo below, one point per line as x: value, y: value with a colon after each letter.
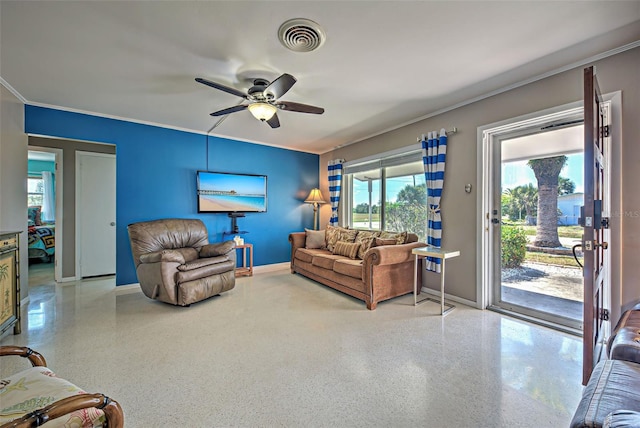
x: 59, y: 236
x: 78, y: 212
x: 484, y: 201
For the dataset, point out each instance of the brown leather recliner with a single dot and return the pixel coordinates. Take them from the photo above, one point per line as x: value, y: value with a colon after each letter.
x: 176, y: 264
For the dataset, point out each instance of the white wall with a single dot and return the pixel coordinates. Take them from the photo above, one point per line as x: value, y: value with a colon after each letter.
x: 13, y: 176
x: 460, y: 210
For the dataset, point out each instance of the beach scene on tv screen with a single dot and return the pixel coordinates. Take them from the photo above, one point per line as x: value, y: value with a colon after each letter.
x: 228, y: 192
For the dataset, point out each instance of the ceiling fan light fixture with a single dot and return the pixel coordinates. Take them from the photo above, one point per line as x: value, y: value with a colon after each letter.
x: 262, y: 111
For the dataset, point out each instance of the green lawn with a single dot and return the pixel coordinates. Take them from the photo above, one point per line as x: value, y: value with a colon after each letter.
x: 552, y: 259
x: 574, y: 232
x: 360, y: 217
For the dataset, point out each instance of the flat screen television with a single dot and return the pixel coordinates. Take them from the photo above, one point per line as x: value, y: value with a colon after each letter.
x: 223, y: 192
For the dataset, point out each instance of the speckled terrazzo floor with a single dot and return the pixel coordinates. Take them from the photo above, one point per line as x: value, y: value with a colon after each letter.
x: 283, y: 351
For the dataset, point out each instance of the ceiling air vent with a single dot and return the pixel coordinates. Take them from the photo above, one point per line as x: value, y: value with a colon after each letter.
x: 301, y: 35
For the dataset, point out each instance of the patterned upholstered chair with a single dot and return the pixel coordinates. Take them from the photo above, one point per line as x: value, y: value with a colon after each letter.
x: 176, y: 264
x: 36, y: 396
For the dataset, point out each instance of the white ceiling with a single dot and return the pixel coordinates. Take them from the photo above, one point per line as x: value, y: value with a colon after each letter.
x: 384, y: 64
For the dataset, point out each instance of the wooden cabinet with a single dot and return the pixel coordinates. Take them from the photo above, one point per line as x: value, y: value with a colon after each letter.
x: 10, y: 282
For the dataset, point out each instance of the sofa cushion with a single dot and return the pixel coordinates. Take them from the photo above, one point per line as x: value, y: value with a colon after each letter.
x: 347, y: 249
x: 306, y: 255
x: 622, y: 419
x: 626, y: 345
x: 37, y: 387
x: 335, y: 234
x: 400, y: 237
x: 325, y: 261
x: 196, y: 264
x: 178, y: 255
x: 352, y: 268
x: 366, y: 240
x: 314, y: 239
x: 613, y: 385
x: 630, y: 318
x: 204, y: 271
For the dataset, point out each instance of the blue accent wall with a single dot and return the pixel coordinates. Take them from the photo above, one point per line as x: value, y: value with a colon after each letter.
x: 156, y: 178
x: 37, y: 167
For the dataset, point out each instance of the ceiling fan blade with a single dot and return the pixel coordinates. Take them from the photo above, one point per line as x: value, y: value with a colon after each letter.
x: 224, y: 88
x: 280, y: 86
x: 229, y: 110
x: 302, y: 108
x: 274, y: 122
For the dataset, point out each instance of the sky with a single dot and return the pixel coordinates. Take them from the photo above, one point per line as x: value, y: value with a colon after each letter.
x: 243, y: 184
x: 516, y: 174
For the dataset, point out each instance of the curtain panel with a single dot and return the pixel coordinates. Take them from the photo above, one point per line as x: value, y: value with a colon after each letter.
x: 335, y: 183
x: 434, y: 150
x: 48, y: 197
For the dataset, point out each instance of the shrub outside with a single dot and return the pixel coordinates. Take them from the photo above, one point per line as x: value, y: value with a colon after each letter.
x: 514, y: 246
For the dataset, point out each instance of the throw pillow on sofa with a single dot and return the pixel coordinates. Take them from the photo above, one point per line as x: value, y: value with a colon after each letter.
x: 336, y: 233
x: 366, y: 240
x: 348, y: 249
x: 314, y: 239
x: 400, y: 237
x: 379, y: 242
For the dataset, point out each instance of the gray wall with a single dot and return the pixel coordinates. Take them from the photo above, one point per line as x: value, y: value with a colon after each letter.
x: 13, y: 176
x: 69, y: 149
x: 460, y: 211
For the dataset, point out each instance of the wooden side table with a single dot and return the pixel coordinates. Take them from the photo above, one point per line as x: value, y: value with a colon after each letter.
x: 442, y: 255
x: 246, y: 269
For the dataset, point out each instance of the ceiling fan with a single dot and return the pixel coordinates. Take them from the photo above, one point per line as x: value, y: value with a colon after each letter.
x: 263, y: 99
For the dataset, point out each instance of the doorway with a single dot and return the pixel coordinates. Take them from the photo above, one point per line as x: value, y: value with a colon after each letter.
x: 543, y: 283
x: 44, y: 187
x: 541, y: 192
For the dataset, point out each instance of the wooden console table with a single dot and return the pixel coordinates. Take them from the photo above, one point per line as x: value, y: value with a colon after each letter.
x: 10, y: 282
x: 442, y: 255
x: 245, y: 270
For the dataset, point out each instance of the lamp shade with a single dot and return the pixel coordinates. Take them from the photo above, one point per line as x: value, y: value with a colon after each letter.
x: 262, y: 111
x: 315, y: 197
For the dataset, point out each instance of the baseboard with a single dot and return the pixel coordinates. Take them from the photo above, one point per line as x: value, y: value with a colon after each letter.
x: 450, y: 297
x: 272, y: 267
x: 25, y: 302
x: 127, y: 288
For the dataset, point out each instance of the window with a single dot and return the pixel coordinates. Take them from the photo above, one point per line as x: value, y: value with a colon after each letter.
x: 35, y: 191
x: 387, y: 194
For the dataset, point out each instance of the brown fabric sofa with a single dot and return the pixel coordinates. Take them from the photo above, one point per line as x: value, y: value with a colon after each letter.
x: 176, y: 264
x: 383, y: 272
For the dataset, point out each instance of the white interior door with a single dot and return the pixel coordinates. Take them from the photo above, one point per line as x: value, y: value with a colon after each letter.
x: 96, y: 213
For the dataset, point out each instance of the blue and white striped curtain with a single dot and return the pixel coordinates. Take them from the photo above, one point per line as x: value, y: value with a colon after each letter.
x: 434, y: 151
x: 335, y: 181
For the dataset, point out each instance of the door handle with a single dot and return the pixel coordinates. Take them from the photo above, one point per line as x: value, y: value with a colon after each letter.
x: 592, y: 245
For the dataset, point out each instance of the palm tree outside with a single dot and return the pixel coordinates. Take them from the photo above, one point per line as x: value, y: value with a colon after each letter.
x: 547, y: 172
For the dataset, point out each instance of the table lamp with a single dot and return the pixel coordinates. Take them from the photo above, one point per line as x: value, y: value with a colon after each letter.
x: 315, y: 198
